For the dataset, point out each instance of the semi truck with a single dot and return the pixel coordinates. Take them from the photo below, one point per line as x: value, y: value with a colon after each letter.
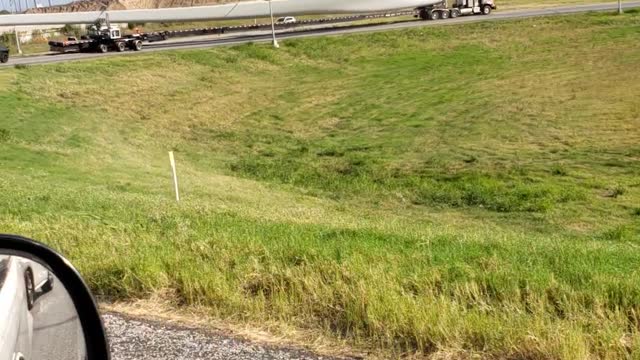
x: 440, y: 10
x: 100, y: 38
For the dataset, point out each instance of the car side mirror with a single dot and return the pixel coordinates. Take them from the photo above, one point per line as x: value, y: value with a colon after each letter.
x: 47, y: 311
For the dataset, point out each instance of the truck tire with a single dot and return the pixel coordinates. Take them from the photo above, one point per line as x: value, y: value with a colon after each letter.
x: 486, y: 10
x: 444, y: 14
x: 103, y: 48
x: 137, y: 45
x: 424, y: 15
x: 435, y: 15
x: 121, y: 46
x: 4, y: 58
x: 455, y: 13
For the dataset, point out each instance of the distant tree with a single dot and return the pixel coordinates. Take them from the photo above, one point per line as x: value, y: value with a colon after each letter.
x: 8, y: 40
x: 132, y: 26
x: 70, y: 30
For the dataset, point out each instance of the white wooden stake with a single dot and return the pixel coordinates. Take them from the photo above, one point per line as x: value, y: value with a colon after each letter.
x: 175, y: 174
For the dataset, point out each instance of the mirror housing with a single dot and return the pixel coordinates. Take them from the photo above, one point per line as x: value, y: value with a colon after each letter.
x: 97, y: 347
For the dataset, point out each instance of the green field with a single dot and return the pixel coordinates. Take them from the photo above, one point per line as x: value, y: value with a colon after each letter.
x: 447, y: 191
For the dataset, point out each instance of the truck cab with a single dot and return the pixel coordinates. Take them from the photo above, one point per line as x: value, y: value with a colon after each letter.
x: 459, y: 7
x: 105, y: 32
x: 467, y: 7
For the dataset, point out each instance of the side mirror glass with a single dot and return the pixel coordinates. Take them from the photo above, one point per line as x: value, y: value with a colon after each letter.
x: 46, y: 310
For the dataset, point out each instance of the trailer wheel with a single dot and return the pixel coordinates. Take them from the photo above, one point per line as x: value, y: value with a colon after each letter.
x: 103, y: 48
x: 486, y: 10
x: 435, y: 15
x: 4, y: 58
x: 455, y: 13
x: 137, y: 45
x: 121, y: 46
x: 444, y: 14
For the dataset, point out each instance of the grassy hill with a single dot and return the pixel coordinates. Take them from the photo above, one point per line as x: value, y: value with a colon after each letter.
x: 455, y: 190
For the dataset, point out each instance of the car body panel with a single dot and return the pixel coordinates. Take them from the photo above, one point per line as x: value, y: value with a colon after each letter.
x: 16, y: 326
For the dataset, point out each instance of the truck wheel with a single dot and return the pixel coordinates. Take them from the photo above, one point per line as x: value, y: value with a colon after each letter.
x: 435, y: 15
x: 445, y: 14
x: 486, y: 10
x: 4, y: 58
x: 423, y: 14
x: 137, y: 45
x: 103, y: 48
x: 121, y: 46
x: 455, y: 13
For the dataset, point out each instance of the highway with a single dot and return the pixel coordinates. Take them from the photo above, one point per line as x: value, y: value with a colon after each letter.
x: 312, y: 31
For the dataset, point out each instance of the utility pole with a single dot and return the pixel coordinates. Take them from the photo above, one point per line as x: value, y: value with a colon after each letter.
x: 15, y: 31
x: 273, y: 27
x: 619, y: 6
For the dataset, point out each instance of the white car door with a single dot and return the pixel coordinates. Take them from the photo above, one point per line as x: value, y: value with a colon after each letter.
x: 16, y: 322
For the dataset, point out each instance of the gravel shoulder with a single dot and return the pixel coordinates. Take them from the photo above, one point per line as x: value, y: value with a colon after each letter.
x: 138, y: 339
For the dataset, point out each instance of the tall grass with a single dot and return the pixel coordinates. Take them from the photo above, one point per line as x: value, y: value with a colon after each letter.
x: 415, y: 191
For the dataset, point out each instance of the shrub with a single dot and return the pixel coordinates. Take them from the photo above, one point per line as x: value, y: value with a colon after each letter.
x: 559, y: 171
x: 70, y: 30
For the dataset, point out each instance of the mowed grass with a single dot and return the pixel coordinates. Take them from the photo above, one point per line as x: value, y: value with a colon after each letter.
x: 455, y: 190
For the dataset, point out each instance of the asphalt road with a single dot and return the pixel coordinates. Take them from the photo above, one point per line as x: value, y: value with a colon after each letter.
x: 57, y: 334
x: 133, y: 339
x: 262, y: 36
